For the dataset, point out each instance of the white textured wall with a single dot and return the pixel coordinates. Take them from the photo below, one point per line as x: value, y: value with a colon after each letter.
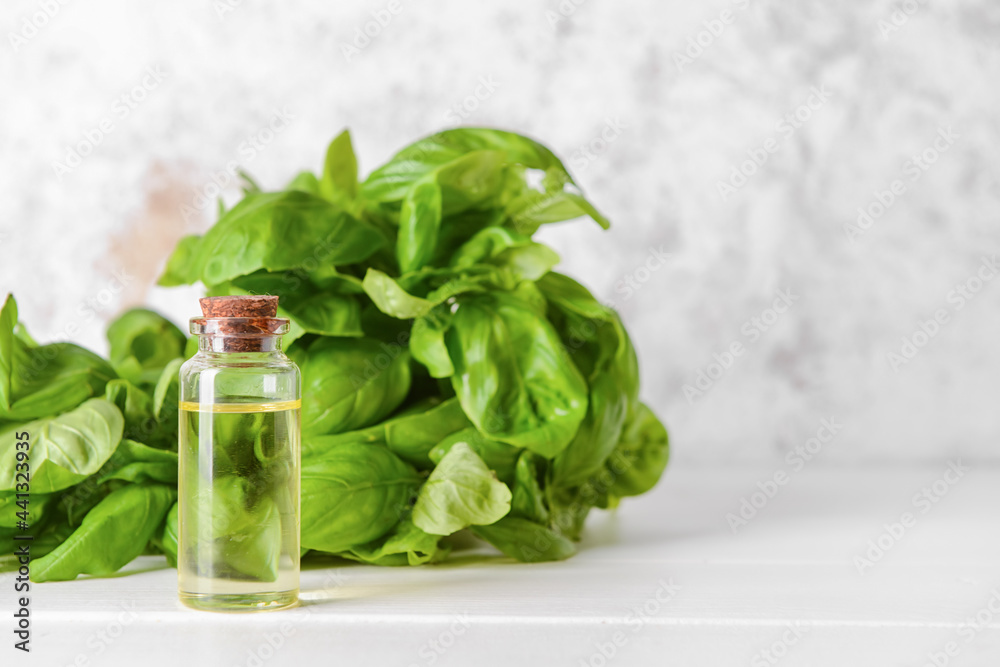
x: 679, y: 129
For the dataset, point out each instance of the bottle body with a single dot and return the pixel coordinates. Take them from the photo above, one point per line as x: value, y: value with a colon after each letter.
x: 239, y: 448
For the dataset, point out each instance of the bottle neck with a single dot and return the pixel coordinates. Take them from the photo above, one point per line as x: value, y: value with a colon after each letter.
x: 252, y: 346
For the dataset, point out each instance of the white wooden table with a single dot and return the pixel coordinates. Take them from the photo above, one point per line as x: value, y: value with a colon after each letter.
x: 664, y: 581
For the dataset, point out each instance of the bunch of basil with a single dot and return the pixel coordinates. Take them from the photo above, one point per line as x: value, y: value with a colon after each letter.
x: 451, y: 379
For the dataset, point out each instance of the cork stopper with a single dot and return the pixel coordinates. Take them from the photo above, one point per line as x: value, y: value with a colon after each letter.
x: 239, y: 323
x: 239, y: 306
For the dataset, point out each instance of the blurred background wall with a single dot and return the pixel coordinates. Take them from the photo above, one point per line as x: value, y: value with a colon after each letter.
x: 731, y: 143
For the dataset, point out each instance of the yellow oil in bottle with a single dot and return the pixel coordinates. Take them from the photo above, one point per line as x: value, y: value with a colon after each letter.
x: 238, y: 547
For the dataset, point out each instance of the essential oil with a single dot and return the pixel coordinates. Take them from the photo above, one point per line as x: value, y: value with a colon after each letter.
x: 238, y: 547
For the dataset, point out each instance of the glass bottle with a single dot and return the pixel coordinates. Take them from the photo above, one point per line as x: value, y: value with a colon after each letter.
x: 238, y: 543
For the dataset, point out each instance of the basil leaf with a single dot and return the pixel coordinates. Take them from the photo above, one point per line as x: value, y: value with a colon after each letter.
x: 599, y: 432
x: 393, y: 180
x: 168, y: 535
x: 569, y: 506
x: 36, y: 508
x: 458, y: 228
x: 414, y: 433
x: 166, y: 398
x: 533, y: 209
x: 601, y: 349
x: 333, y: 311
x: 419, y: 222
x: 512, y: 374
x: 236, y: 531
x: 460, y: 492
x: 8, y: 320
x: 111, y: 535
x: 471, y: 181
x: 638, y: 461
x: 392, y: 299
x: 350, y: 383
x: 405, y: 544
x: 182, y: 267
x: 352, y: 494
x: 65, y: 449
x: 528, y: 499
x: 613, y: 375
x: 50, y: 379
x: 275, y: 231
x: 305, y: 181
x: 136, y: 407
x: 500, y: 457
x: 340, y: 169
x: 468, y: 181
x: 136, y: 462
x: 571, y: 298
x: 146, y: 337
x: 525, y: 540
x: 524, y: 258
x: 411, y: 435
x: 428, y: 347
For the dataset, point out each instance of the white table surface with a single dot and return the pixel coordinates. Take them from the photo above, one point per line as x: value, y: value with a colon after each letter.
x: 787, y: 575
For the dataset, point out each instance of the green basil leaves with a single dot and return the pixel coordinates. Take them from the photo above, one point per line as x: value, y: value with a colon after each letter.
x: 453, y: 382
